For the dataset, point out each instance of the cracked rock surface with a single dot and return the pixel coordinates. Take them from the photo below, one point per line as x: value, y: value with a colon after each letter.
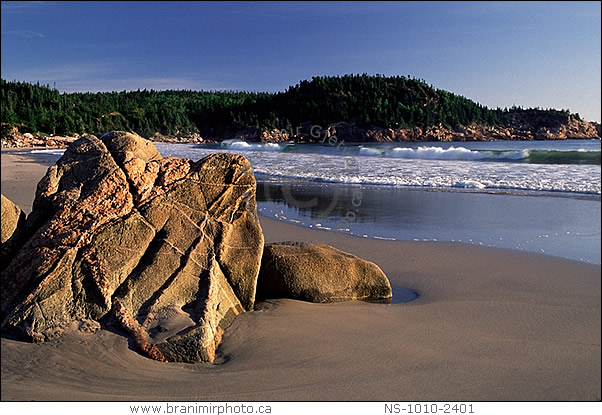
x: 170, y: 248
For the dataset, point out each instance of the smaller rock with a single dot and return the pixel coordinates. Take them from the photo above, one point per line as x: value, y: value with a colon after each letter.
x: 88, y: 326
x: 319, y: 274
x: 12, y: 221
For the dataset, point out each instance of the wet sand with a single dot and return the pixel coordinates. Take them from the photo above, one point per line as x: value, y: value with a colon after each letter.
x: 489, y: 324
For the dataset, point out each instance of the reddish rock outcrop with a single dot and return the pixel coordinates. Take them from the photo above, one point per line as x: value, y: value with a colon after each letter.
x: 537, y: 126
x: 169, y: 247
x: 14, y: 139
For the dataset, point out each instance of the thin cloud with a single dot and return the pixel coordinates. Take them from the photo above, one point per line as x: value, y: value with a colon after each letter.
x: 279, y: 16
x: 27, y: 34
x: 108, y: 75
x: 92, y: 80
x: 21, y: 6
x: 67, y: 72
x: 133, y: 84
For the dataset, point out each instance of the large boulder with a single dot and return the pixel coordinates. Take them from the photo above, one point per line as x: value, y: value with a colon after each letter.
x: 320, y: 274
x: 168, y: 247
x: 11, y: 223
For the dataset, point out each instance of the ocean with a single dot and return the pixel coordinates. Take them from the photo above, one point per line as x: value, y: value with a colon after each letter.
x: 536, y: 196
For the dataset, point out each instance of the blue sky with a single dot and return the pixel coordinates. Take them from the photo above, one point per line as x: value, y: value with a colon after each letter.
x: 544, y: 54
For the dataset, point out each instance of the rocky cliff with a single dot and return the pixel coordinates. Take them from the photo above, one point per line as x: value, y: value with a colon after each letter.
x: 528, y: 125
x: 534, y: 127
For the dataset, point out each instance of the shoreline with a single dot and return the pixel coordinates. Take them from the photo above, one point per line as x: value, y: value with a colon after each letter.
x: 347, y: 131
x: 489, y: 324
x: 21, y: 172
x: 566, y: 227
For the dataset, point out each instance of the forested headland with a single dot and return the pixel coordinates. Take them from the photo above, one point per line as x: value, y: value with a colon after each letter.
x: 361, y: 103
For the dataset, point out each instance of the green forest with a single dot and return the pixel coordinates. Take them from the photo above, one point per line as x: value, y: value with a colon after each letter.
x: 366, y: 100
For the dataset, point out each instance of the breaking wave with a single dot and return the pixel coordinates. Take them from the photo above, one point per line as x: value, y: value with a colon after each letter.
x: 461, y: 153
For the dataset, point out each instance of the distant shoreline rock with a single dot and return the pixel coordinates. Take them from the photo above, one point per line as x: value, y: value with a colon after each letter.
x: 528, y: 126
x: 18, y: 140
x: 570, y: 128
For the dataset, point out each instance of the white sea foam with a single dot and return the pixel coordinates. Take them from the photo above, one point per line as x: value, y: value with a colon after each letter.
x: 470, y: 184
x: 236, y: 144
x: 50, y: 151
x: 367, y: 151
x: 454, y: 169
x: 438, y: 153
x: 456, y: 174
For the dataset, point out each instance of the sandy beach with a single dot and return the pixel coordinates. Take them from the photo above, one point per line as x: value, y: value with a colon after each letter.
x: 489, y: 325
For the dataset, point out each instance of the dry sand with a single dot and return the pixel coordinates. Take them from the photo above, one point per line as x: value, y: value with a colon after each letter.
x: 489, y: 324
x: 20, y: 176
